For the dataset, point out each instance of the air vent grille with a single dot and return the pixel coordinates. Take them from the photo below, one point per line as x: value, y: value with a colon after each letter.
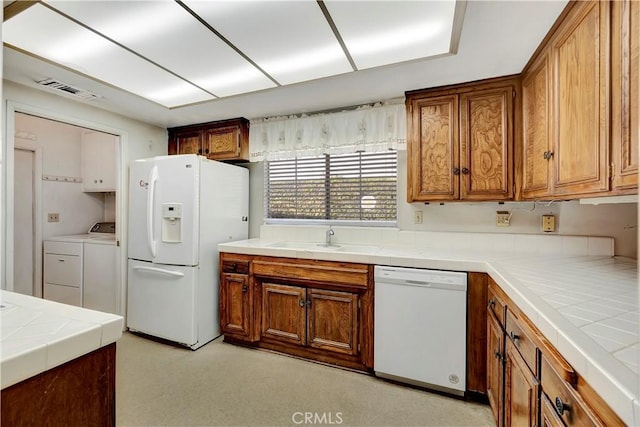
x: 71, y: 90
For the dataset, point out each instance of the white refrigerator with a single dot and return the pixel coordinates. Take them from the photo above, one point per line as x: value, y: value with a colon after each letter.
x: 180, y: 208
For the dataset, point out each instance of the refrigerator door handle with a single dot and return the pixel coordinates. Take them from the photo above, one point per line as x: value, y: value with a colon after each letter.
x: 159, y: 270
x: 153, y: 177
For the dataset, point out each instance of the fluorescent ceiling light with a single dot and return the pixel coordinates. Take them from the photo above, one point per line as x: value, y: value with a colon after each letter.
x: 46, y: 34
x: 181, y: 53
x: 290, y: 40
x: 165, y: 33
x: 386, y: 32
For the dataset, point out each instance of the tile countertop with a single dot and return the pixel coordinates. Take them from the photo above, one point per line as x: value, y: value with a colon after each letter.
x: 37, y: 335
x: 586, y: 306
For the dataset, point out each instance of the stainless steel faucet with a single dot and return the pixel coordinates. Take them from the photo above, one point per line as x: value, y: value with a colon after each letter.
x: 329, y: 233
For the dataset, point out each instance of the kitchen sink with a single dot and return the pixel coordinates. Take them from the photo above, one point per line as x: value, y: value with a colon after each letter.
x: 319, y: 247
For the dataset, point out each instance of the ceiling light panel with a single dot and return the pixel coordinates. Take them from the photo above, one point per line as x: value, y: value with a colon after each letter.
x: 168, y: 35
x: 379, y: 33
x: 47, y: 34
x: 290, y: 40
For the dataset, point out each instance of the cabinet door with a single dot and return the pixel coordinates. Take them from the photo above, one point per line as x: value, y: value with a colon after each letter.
x: 99, y: 162
x: 548, y: 415
x: 284, y: 313
x: 520, y: 390
x: 625, y: 95
x: 536, y: 159
x: 580, y: 69
x: 432, y: 149
x: 486, y: 144
x: 235, y: 305
x: 495, y: 367
x: 187, y: 142
x: 221, y: 143
x: 333, y: 321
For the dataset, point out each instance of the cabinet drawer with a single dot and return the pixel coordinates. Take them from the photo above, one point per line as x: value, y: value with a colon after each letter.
x: 566, y: 401
x: 520, y: 334
x: 235, y: 266
x: 62, y: 270
x: 64, y: 294
x: 496, y: 304
x: 63, y: 248
x: 343, y: 274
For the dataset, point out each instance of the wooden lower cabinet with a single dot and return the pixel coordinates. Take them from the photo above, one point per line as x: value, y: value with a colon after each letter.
x: 521, y: 390
x: 495, y: 366
x: 319, y: 310
x: 236, y: 300
x: 548, y: 415
x: 318, y: 318
x: 284, y: 313
x: 332, y: 321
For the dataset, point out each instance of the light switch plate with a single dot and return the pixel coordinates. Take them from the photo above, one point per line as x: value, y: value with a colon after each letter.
x: 548, y: 223
x: 417, y: 217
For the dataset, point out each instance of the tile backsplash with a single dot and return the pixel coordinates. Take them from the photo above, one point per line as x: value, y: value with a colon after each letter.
x: 534, y: 244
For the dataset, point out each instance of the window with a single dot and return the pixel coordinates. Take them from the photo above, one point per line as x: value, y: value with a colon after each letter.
x: 334, y: 187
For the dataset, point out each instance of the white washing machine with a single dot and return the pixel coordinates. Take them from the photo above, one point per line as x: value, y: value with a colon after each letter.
x: 81, y: 269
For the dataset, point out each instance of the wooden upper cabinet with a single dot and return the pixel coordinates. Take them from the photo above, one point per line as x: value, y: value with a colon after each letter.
x: 536, y: 170
x: 333, y: 321
x: 433, y: 154
x: 460, y: 141
x: 187, y: 142
x: 580, y: 58
x: 223, y: 140
x: 625, y: 96
x: 486, y: 141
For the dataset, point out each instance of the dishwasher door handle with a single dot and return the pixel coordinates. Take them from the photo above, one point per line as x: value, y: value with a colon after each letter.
x: 417, y: 282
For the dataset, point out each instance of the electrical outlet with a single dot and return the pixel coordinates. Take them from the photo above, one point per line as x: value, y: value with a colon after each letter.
x: 548, y: 223
x: 502, y: 218
x: 54, y: 217
x: 417, y: 217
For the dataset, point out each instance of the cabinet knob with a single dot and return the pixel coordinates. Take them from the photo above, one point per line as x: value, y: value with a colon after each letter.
x: 456, y: 171
x: 465, y: 171
x: 100, y: 181
x: 301, y: 303
x: 561, y: 406
x: 200, y: 151
x: 497, y: 355
x: 244, y: 288
x: 95, y: 181
x: 547, y: 155
x: 514, y: 337
x: 492, y: 303
x: 206, y: 151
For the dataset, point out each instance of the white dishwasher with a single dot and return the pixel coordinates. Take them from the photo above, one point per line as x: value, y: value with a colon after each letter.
x: 420, y: 330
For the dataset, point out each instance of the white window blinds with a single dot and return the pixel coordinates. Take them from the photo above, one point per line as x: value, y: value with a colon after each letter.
x: 333, y: 187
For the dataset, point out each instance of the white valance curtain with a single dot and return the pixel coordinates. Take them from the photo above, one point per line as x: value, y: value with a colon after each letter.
x: 378, y: 127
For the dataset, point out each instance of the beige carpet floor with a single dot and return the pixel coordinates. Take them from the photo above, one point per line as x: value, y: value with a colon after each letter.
x: 226, y: 385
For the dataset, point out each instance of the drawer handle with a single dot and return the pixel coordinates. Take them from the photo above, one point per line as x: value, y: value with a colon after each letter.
x: 561, y: 406
x: 492, y: 303
x: 60, y: 260
x: 514, y: 337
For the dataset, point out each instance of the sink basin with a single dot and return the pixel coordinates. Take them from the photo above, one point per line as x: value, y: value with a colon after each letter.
x: 318, y: 247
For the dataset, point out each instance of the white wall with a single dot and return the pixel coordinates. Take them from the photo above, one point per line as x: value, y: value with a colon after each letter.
x: 138, y: 140
x: 617, y: 221
x: 61, y: 156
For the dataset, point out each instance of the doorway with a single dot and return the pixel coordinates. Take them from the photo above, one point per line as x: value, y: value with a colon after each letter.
x: 26, y: 226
